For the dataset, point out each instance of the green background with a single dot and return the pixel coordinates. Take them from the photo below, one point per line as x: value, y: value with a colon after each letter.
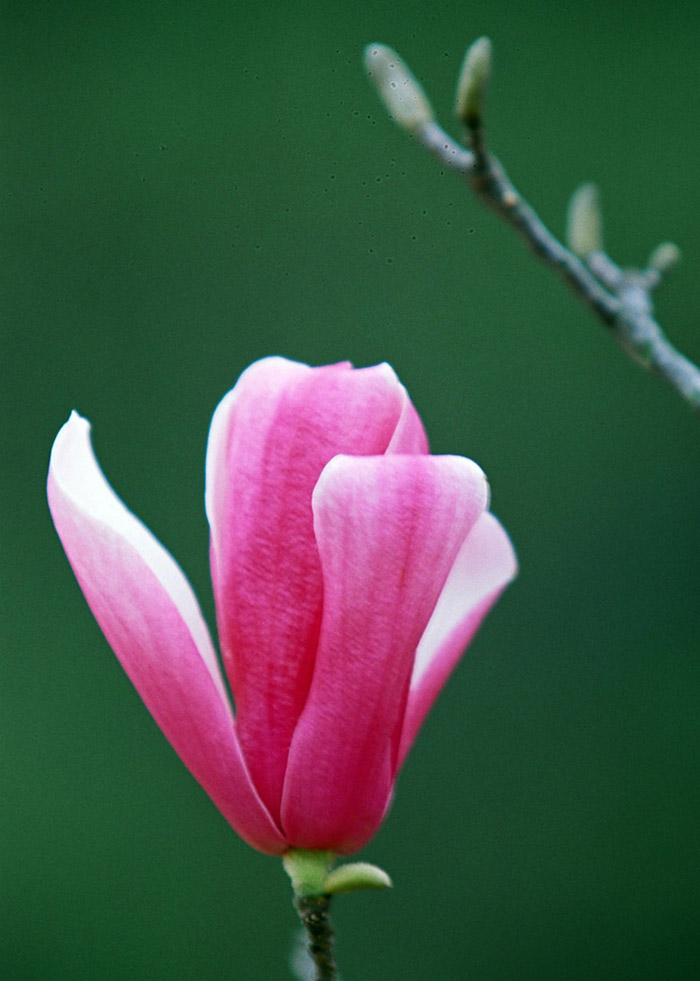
x: 188, y: 187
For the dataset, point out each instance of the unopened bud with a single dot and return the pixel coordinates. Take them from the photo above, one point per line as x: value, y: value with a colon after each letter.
x: 584, y: 230
x: 473, y: 82
x: 664, y: 257
x: 398, y: 89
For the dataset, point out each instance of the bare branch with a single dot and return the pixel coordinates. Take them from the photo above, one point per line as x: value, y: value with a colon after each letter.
x: 621, y: 298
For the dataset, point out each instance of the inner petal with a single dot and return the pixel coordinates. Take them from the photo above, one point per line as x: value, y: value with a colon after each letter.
x: 271, y: 438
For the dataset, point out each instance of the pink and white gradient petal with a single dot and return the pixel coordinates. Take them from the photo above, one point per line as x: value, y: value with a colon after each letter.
x: 388, y: 532
x: 486, y: 563
x: 270, y: 438
x: 151, y: 618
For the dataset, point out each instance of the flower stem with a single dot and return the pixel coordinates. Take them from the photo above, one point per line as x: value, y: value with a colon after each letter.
x: 314, y: 915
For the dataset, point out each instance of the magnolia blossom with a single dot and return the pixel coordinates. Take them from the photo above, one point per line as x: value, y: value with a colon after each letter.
x: 350, y: 570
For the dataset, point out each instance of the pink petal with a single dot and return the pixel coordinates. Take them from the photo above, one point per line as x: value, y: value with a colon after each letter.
x: 409, y: 435
x: 388, y: 531
x: 151, y: 618
x: 485, y: 564
x: 270, y: 439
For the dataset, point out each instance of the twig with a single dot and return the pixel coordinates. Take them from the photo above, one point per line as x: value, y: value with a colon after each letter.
x: 620, y: 298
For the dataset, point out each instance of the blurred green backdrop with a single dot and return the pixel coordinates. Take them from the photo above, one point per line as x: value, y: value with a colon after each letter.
x: 187, y: 187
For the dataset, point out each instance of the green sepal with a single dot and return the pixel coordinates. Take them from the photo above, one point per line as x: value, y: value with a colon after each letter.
x: 308, y: 870
x: 354, y: 876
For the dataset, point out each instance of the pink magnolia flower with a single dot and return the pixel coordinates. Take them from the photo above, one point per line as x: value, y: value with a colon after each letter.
x: 350, y: 571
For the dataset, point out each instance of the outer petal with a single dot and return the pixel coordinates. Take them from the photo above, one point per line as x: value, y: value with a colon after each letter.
x: 270, y: 439
x: 388, y: 532
x: 485, y: 564
x: 149, y: 615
